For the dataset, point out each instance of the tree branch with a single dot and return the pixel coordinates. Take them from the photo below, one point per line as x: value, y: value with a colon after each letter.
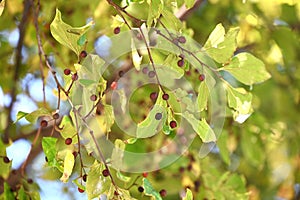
x: 22, y: 30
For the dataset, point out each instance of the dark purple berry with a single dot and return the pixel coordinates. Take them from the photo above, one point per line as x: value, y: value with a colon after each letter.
x: 121, y: 73
x: 153, y: 96
x: 201, y: 77
x: 158, y: 116
x: 165, y: 96
x: 180, y: 63
x: 140, y: 189
x: 151, y: 74
x: 93, y: 97
x: 46, y: 159
x: 55, y: 116
x: 6, y: 159
x: 30, y: 181
x: 74, y: 76
x: 68, y: 141
x: 44, y: 123
x: 163, y: 193
x: 67, y: 72
x: 75, y: 154
x: 105, y: 172
x: 117, y: 30
x: 83, y: 54
x: 173, y: 124
x: 145, y: 70
x: 181, y: 39
x: 84, y: 177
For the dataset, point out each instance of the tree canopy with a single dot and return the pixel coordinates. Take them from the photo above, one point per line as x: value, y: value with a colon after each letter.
x: 156, y: 99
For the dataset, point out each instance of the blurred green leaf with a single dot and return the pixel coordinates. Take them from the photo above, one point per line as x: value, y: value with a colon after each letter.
x: 201, y: 127
x: 203, y: 94
x: 67, y: 129
x: 247, y: 69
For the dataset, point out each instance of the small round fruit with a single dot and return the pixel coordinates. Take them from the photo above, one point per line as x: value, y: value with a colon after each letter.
x: 83, y: 54
x: 180, y: 63
x: 173, y: 124
x: 140, y: 189
x: 84, y: 177
x: 44, y: 123
x: 68, y: 141
x: 158, y: 116
x: 201, y: 77
x: 145, y: 70
x: 55, y: 116
x: 151, y: 74
x: 117, y: 30
x: 93, y: 97
x: 67, y: 72
x: 75, y: 154
x: 121, y: 73
x: 165, y: 96
x: 6, y: 159
x: 181, y: 39
x: 30, y: 181
x: 163, y: 193
x: 145, y: 174
x: 114, y: 85
x: 74, y: 76
x: 105, y: 172
x: 153, y: 96
x: 80, y: 190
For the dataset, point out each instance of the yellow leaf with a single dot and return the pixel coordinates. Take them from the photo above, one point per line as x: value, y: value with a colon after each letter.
x: 68, y: 166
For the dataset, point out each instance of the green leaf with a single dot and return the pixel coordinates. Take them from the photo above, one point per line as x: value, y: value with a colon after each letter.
x: 149, y: 126
x: 240, y: 100
x: 33, y: 116
x: 123, y: 177
x: 155, y: 9
x: 82, y: 40
x: 189, y: 3
x: 49, y: 148
x: 20, y: 115
x: 188, y: 195
x: 247, y: 69
x: 170, y: 20
x: 220, y: 46
x: 201, y: 127
x: 170, y: 67
x: 68, y: 166
x: 149, y: 190
x: 109, y: 117
x: 21, y: 194
x: 87, y: 82
x: 5, y: 168
x: 66, y: 34
x: 222, y: 145
x: 203, y: 93
x: 97, y: 184
x: 186, y: 99
x: 8, y: 194
x: 67, y: 129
